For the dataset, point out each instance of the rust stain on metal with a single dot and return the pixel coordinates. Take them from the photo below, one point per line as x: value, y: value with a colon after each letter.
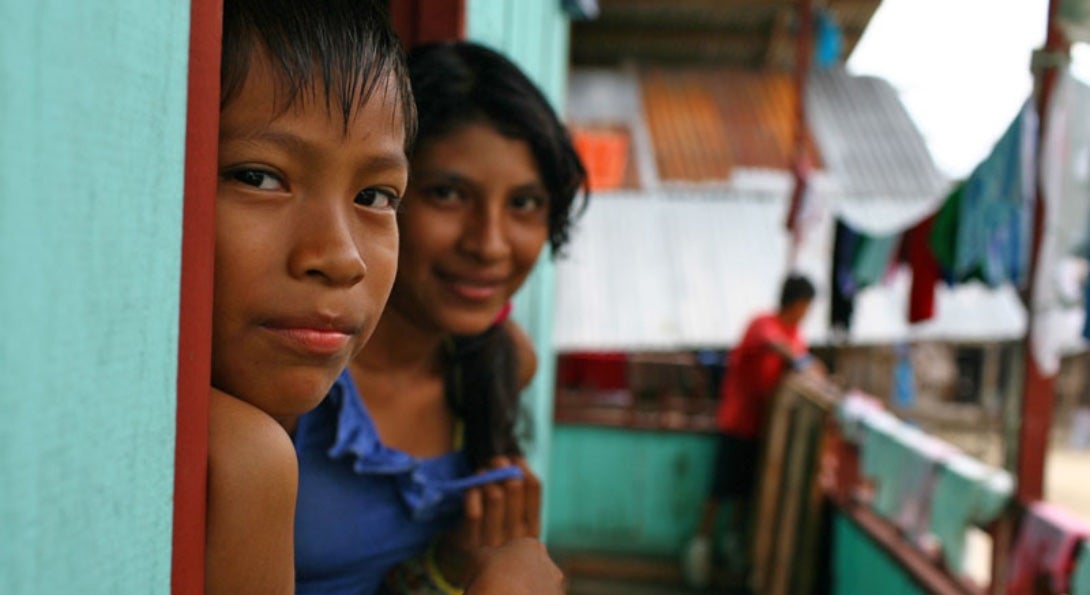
x: 704, y: 122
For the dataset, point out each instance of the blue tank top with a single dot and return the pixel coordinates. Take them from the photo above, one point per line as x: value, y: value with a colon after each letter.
x: 363, y: 507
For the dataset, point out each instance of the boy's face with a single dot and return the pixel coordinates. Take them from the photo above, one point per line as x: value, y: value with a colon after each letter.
x: 306, y: 241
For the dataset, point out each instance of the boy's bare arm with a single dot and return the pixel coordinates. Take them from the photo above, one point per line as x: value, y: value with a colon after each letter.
x: 252, y: 483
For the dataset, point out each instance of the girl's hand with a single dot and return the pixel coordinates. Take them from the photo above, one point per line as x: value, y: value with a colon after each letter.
x: 499, y: 512
x: 520, y: 567
x: 495, y: 514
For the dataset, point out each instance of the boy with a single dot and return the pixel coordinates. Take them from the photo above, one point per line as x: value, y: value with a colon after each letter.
x: 771, y: 346
x: 316, y: 114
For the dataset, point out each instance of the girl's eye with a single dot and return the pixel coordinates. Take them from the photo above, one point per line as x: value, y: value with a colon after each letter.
x: 528, y: 203
x: 443, y: 194
x: 377, y: 198
x: 262, y: 180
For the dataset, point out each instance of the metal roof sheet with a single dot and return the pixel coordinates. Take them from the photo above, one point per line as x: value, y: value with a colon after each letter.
x: 882, y: 175
x: 685, y: 269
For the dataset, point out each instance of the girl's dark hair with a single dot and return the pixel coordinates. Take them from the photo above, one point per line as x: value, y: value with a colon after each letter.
x: 340, y: 51
x: 482, y: 390
x: 459, y: 83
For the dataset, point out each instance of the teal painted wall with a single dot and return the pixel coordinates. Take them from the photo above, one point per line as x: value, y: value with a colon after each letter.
x: 860, y: 567
x: 534, y: 34
x: 92, y: 122
x: 627, y: 491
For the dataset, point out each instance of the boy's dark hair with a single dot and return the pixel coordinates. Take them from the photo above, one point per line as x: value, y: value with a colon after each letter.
x: 796, y: 288
x: 340, y: 51
x: 459, y: 83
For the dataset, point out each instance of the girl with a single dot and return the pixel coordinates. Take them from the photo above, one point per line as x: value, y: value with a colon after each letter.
x: 387, y: 460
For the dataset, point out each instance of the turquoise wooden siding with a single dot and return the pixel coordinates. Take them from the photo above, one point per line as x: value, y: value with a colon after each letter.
x: 534, y: 34
x: 627, y: 491
x: 92, y: 122
x: 860, y: 567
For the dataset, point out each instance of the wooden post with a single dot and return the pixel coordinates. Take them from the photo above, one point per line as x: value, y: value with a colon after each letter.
x: 1038, y: 393
x: 800, y: 165
x: 1039, y: 390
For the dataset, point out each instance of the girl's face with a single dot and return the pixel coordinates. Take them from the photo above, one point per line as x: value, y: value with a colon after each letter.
x: 474, y: 220
x: 306, y: 242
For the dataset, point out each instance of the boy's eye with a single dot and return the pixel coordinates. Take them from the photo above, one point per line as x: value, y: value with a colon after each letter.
x: 377, y: 198
x: 528, y: 203
x: 262, y: 180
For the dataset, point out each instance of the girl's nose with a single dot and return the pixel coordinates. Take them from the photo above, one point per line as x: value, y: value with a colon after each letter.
x: 485, y: 234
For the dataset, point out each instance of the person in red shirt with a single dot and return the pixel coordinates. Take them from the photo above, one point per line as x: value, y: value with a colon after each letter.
x: 771, y: 346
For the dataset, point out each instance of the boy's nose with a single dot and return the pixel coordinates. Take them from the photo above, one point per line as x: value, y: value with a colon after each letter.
x: 485, y: 235
x: 326, y: 249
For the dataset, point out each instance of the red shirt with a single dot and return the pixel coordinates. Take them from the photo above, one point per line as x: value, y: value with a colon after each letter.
x: 754, y: 369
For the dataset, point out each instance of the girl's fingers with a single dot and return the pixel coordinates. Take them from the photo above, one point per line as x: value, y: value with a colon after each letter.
x: 474, y: 515
x: 515, y: 501
x: 492, y: 528
x: 531, y: 487
x: 498, y: 527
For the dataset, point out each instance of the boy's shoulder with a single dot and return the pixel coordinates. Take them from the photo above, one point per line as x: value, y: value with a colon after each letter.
x: 252, y: 481
x: 246, y: 443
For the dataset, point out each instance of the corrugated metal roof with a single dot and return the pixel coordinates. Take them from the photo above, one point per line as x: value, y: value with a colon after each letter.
x: 687, y: 127
x: 649, y: 273
x: 686, y: 265
x: 686, y: 269
x: 704, y: 125
x: 875, y: 156
x: 706, y: 121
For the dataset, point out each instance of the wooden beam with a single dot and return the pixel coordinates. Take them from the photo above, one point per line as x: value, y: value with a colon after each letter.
x: 1039, y: 392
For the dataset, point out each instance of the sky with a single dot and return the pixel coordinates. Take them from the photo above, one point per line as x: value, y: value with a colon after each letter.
x: 961, y: 67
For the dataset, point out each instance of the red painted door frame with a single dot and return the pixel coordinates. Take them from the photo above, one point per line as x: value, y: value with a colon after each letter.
x: 425, y: 21
x: 195, y: 316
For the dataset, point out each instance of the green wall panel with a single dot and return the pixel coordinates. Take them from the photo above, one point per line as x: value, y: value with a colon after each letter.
x: 92, y: 123
x: 860, y: 567
x: 627, y: 491
x: 534, y: 34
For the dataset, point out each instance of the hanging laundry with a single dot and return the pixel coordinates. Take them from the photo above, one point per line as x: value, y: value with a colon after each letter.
x: 943, y: 239
x: 1086, y: 309
x: 842, y: 300
x: 991, y: 221
x: 925, y: 270
x: 828, y: 39
x: 881, y: 459
x: 1047, y: 545
x: 873, y: 258
x: 1080, y: 580
x: 921, y: 463
x: 1074, y: 17
x: 1065, y: 228
x: 967, y: 493
x: 904, y: 377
